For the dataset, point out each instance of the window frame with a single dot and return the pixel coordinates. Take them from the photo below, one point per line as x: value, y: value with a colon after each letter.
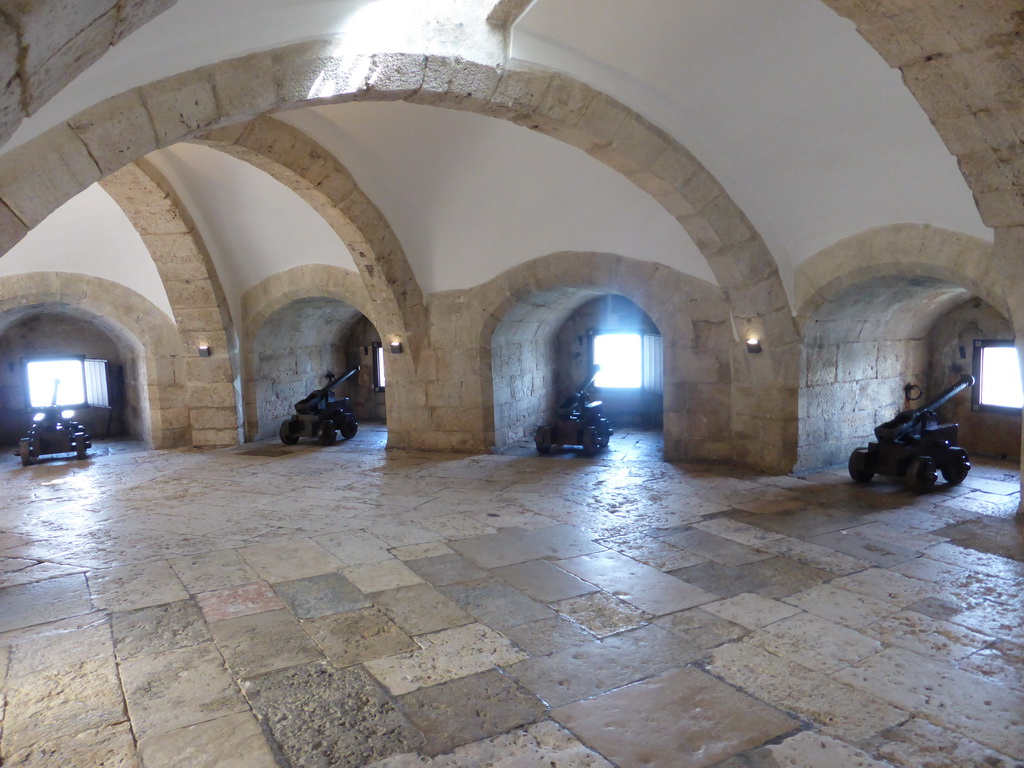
x: 976, y: 405
x: 379, y: 372
x: 87, y: 394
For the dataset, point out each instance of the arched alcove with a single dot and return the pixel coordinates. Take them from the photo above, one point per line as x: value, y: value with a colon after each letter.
x: 866, y: 343
x: 297, y: 345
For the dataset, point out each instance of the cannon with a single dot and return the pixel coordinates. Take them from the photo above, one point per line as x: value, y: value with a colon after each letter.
x: 53, y: 430
x: 577, y: 422
x: 318, y: 415
x: 915, y: 446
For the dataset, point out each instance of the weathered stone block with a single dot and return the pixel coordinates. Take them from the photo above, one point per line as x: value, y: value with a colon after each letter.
x: 393, y: 76
x: 311, y: 71
x: 43, y: 174
x: 245, y: 87
x: 117, y: 131
x: 181, y: 105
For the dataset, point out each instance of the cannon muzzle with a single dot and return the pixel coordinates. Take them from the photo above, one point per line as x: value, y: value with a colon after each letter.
x: 908, y: 421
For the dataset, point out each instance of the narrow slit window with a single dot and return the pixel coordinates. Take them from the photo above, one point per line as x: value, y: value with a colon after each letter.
x: 379, y: 378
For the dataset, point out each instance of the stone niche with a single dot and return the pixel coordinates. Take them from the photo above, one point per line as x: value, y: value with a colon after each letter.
x: 54, y: 333
x: 606, y: 314
x: 950, y: 348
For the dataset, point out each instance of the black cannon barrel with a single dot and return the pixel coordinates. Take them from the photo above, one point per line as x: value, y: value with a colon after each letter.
x: 906, y: 422
x: 337, y: 380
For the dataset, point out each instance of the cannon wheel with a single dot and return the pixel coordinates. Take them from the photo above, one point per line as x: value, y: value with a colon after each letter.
x: 348, y: 428
x: 958, y: 464
x: 589, y: 441
x: 542, y: 439
x: 328, y: 434
x: 285, y: 433
x: 921, y: 475
x: 859, y: 466
x: 25, y: 451
x: 80, y: 448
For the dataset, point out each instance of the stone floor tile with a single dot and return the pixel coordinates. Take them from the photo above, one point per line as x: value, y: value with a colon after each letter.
x: 978, y: 709
x: 803, y: 522
x: 493, y: 550
x: 355, y: 548
x: 815, y: 556
x: 814, y: 642
x: 398, y: 534
x: 35, y: 572
x: 290, y: 559
x: 213, y: 570
x: 701, y: 630
x: 321, y: 716
x: 852, y: 543
x: 420, y: 608
x: 56, y: 645
x: 850, y: 609
x: 926, y: 569
x: 418, y: 551
x: 242, y: 600
x: 158, y: 628
x: 919, y: 744
x: 469, y: 709
x: 994, y: 565
x: 262, y: 642
x: 44, y: 601
x: 111, y: 746
x: 647, y: 588
x: 751, y: 610
x: 775, y: 578
x: 927, y: 636
x: 838, y: 710
x: 559, y: 542
x: 173, y: 689
x: 443, y: 656
x: 321, y: 595
x: 887, y: 586
x: 496, y: 603
x: 235, y: 741
x: 734, y: 530
x: 580, y: 672
x: 543, y: 581
x: 1002, y: 663
x: 458, y: 526
x: 61, y: 702
x: 652, y: 551
x: 136, y: 586
x: 357, y: 636
x: 377, y: 577
x: 713, y: 547
x: 681, y: 719
x: 814, y: 749
x: 601, y: 614
x: 888, y: 534
x: 547, y: 636
x: 447, y: 569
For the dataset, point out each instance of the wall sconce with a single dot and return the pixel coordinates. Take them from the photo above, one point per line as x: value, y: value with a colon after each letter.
x: 753, y: 345
x: 396, y: 347
x: 204, y: 350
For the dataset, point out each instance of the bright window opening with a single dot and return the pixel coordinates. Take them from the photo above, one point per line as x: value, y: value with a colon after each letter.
x: 620, y: 356
x: 67, y: 381
x: 379, y: 378
x: 997, y: 369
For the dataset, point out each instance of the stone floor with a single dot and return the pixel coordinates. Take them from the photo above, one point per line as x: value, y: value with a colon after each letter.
x: 343, y: 606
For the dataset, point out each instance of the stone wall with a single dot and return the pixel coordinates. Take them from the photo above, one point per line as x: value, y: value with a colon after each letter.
x: 368, y: 404
x: 981, y: 433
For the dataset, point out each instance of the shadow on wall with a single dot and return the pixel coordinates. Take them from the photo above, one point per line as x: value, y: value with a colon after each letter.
x: 864, y: 345
x: 55, y: 331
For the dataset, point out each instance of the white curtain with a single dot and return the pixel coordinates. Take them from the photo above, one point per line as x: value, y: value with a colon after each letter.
x: 653, y: 378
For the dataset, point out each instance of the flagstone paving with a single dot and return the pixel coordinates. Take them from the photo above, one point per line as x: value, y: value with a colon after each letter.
x: 352, y: 607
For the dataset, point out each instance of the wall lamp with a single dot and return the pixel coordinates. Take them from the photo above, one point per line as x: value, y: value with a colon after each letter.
x: 753, y: 345
x: 396, y: 347
x: 204, y: 350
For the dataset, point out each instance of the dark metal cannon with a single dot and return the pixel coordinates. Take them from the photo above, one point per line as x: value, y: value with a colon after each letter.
x: 321, y: 416
x: 577, y: 422
x: 53, y: 430
x: 915, y: 446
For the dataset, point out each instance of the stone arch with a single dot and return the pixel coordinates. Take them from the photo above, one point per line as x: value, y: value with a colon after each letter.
x: 131, y: 319
x: 284, y: 303
x: 692, y: 316
x: 866, y: 305
x: 195, y: 294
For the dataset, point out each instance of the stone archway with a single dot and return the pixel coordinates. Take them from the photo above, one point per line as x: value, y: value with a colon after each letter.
x: 131, y: 319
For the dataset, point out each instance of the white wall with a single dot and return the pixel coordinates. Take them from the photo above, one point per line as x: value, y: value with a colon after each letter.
x: 91, y: 235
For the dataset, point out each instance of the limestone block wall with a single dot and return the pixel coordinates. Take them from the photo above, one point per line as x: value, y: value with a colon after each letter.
x: 368, y: 404
x: 981, y: 433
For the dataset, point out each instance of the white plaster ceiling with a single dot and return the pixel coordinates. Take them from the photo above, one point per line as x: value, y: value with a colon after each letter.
x: 809, y: 130
x: 471, y: 196
x: 90, y: 235
x: 253, y: 225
